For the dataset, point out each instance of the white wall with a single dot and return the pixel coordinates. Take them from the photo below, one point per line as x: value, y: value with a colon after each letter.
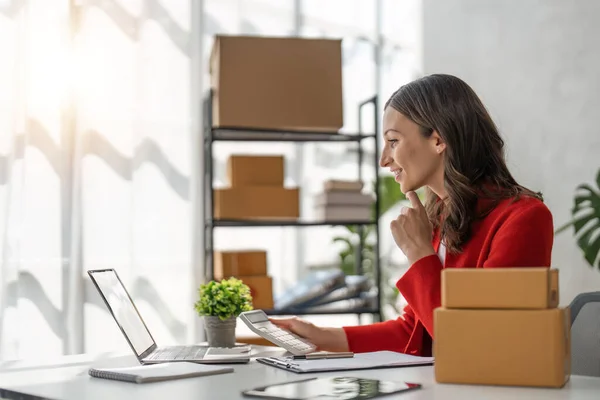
x: 536, y: 65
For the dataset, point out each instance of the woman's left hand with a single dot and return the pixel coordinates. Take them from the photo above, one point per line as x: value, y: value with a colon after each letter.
x: 412, y: 231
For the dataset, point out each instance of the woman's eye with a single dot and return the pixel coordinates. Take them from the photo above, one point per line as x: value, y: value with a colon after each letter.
x: 392, y: 142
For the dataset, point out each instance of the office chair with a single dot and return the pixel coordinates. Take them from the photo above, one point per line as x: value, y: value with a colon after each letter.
x: 585, y: 334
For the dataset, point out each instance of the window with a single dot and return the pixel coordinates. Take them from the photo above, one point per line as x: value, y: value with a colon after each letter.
x: 99, y: 155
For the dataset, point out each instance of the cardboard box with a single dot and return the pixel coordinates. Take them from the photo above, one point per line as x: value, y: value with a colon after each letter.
x: 500, y: 288
x: 277, y: 83
x: 261, y: 289
x: 257, y: 202
x: 502, y: 347
x: 239, y: 263
x: 255, y: 170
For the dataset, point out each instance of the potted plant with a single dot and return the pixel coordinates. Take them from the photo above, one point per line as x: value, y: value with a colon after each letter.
x: 219, y: 303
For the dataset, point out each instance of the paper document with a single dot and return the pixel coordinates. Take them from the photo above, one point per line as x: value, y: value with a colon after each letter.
x: 377, y: 359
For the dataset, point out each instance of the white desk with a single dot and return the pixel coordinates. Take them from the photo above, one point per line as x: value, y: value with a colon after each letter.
x: 67, y: 379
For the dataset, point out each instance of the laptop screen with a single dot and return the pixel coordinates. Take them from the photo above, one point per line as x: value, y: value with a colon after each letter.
x: 123, y: 309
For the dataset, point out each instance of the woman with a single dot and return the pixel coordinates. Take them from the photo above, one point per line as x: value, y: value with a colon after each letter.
x: 438, y: 135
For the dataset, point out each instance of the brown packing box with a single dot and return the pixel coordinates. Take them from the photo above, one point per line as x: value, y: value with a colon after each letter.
x: 239, y: 263
x: 500, y: 288
x: 502, y: 347
x: 246, y: 170
x: 277, y: 83
x: 261, y: 289
x: 257, y: 202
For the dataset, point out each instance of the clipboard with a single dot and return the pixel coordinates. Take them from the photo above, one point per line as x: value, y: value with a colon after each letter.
x: 372, y: 360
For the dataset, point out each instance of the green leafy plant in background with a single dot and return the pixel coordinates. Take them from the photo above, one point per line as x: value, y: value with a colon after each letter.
x: 224, y: 299
x: 389, y: 196
x: 586, y: 221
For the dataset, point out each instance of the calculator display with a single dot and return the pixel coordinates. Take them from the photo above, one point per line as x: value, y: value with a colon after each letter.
x: 257, y: 317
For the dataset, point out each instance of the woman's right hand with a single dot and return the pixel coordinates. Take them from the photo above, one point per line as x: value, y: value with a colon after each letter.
x: 326, y: 339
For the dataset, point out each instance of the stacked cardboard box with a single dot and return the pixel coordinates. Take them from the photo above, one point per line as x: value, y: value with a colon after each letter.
x: 279, y: 83
x: 250, y: 266
x: 256, y: 190
x: 343, y: 201
x: 501, y: 326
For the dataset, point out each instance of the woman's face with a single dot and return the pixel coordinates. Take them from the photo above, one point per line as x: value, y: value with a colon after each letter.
x: 415, y: 160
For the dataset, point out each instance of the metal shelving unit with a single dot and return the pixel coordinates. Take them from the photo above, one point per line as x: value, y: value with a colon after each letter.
x: 299, y: 223
x: 213, y: 135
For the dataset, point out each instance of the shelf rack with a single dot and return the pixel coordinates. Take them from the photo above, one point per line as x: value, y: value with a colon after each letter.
x: 243, y: 134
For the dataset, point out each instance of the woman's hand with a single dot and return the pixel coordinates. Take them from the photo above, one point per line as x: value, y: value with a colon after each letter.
x: 412, y: 231
x: 326, y: 339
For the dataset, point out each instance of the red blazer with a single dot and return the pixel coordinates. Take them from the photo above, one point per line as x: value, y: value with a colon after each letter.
x: 517, y: 234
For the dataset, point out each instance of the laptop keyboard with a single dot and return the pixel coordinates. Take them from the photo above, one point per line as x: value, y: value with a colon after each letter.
x: 178, y: 353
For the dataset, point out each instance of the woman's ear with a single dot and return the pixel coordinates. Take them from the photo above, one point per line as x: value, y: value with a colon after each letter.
x: 437, y: 142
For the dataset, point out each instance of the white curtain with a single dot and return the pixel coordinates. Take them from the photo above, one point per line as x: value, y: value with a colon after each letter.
x: 100, y: 154
x: 97, y: 162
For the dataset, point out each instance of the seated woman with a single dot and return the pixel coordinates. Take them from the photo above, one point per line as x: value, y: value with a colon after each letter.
x: 438, y: 135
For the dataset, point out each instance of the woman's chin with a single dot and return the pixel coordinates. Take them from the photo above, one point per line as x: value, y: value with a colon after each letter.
x: 406, y: 187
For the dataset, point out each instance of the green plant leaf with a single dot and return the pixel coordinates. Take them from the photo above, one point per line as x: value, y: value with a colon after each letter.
x: 352, y: 228
x: 586, y: 221
x: 344, y: 240
x: 224, y: 299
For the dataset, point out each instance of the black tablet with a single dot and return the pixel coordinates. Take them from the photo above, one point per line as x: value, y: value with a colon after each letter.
x: 338, y: 387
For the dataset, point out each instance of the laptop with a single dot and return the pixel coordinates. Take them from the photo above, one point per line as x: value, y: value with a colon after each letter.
x: 137, y: 334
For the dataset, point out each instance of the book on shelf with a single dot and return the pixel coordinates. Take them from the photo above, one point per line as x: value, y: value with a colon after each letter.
x: 343, y: 198
x: 343, y: 213
x: 338, y: 184
x: 343, y: 201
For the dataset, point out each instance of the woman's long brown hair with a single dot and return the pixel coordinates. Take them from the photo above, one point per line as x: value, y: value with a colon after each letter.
x: 474, y: 164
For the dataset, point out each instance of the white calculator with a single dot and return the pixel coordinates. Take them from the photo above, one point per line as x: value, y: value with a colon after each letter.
x: 259, y: 323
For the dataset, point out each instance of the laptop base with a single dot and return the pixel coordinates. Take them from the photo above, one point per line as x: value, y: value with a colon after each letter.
x: 199, y: 354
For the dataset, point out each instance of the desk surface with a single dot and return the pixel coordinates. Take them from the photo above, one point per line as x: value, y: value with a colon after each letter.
x: 67, y: 379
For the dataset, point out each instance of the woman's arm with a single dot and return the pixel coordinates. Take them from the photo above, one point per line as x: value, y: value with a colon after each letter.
x: 389, y: 335
x: 523, y: 240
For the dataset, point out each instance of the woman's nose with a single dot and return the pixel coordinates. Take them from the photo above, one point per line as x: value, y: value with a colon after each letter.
x: 385, y: 159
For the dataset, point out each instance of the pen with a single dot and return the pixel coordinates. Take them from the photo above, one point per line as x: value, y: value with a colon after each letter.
x: 275, y: 361
x: 318, y: 356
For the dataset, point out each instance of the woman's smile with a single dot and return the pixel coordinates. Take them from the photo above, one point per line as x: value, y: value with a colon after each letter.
x: 397, y: 174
